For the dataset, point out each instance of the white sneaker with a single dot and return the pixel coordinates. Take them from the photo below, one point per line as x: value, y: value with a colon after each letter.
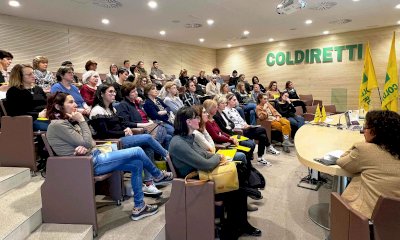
x: 151, y: 191
x: 264, y: 161
x: 272, y: 150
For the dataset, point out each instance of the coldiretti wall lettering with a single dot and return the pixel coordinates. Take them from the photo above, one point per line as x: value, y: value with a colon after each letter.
x: 315, y: 55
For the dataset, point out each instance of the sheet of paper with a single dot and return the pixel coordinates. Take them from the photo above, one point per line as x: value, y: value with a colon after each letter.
x: 243, y: 148
x: 242, y: 138
x: 228, y: 153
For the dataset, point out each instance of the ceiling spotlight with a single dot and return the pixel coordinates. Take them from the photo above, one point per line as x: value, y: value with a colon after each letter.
x: 398, y: 22
x: 325, y: 32
x: 162, y: 32
x: 152, y: 4
x: 308, y: 21
x: 246, y: 33
x: 229, y: 45
x: 105, y: 21
x: 210, y: 22
x: 270, y: 40
x: 397, y: 6
x: 356, y: 0
x: 201, y: 39
x: 14, y: 3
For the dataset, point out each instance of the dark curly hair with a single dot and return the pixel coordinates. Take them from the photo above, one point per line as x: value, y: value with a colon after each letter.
x: 385, y: 125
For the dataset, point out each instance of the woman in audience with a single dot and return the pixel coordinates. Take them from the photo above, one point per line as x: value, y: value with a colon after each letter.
x: 107, y: 124
x: 375, y: 162
x: 69, y: 135
x: 140, y: 84
x: 202, y: 78
x: 252, y: 132
x: 188, y: 157
x: 139, y: 71
x: 26, y: 98
x: 123, y: 74
x: 200, y: 89
x: 43, y: 78
x: 273, y: 91
x: 90, y: 80
x: 172, y: 100
x: 224, y: 90
x: 244, y: 99
x: 65, y: 78
x: 294, y: 97
x: 242, y: 78
x: 183, y: 77
x: 265, y: 111
x: 213, y: 86
x: 156, y: 109
x: 286, y: 108
x: 190, y: 97
x: 255, y: 80
x: 112, y: 76
x: 131, y: 111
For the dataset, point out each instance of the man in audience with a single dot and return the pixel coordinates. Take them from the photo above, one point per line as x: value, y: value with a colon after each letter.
x: 190, y: 98
x: 91, y: 65
x: 256, y: 91
x: 127, y: 65
x: 5, y: 61
x: 233, y: 80
x: 219, y: 78
x: 158, y: 75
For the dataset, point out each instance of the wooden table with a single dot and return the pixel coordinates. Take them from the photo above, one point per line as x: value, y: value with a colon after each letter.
x: 314, y: 141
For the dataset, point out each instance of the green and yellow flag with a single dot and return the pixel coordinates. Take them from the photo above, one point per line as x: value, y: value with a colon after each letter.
x: 391, y: 89
x: 317, y: 115
x: 323, y: 114
x: 368, y: 81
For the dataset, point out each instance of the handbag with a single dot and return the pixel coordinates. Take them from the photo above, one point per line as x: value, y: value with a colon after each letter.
x: 157, y: 131
x: 224, y: 176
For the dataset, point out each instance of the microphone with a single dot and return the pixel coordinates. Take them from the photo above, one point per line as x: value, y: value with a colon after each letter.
x: 339, y: 125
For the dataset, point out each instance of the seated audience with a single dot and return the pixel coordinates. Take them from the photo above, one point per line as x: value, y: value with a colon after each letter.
x: 107, y: 124
x: 43, y: 77
x: 265, y: 111
x: 90, y: 78
x: 252, y: 132
x: 190, y: 97
x: 140, y: 84
x: 91, y: 65
x: 26, y: 98
x: 131, y: 111
x: 77, y: 82
x: 127, y: 65
x: 65, y: 78
x: 242, y: 78
x: 139, y: 71
x: 255, y: 80
x: 183, y: 77
x: 213, y: 86
x: 202, y: 79
x: 247, y: 102
x: 69, y: 135
x: 224, y: 90
x: 256, y: 91
x: 273, y: 91
x: 172, y: 100
x: 375, y: 162
x: 123, y: 74
x: 286, y: 108
x: 5, y: 61
x: 112, y: 76
x: 294, y: 97
x: 156, y: 109
x: 157, y: 74
x: 200, y: 89
x: 188, y: 157
x: 216, y: 72
x: 233, y: 80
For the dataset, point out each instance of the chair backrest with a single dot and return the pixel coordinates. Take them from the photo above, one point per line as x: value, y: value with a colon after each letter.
x: 311, y: 109
x: 47, y: 145
x: 225, y: 78
x: 386, y: 218
x: 330, y: 109
x: 307, y: 99
x: 346, y: 223
x: 3, y: 105
x: 299, y: 111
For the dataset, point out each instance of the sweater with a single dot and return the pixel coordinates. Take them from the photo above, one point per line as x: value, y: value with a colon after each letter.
x: 73, y: 91
x: 64, y: 137
x: 152, y: 110
x: 25, y: 101
x: 204, y: 140
x: 235, y: 117
x: 286, y: 109
x: 173, y: 103
x: 188, y: 156
x: 216, y: 134
x: 106, y: 123
x: 87, y: 94
x: 127, y: 110
x: 269, y: 114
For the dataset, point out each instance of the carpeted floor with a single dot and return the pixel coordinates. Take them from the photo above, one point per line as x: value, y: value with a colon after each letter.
x: 282, y: 213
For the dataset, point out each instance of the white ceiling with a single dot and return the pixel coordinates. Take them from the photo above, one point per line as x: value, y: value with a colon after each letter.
x: 231, y: 18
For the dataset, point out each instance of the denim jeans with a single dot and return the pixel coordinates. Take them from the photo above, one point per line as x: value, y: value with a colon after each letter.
x: 170, y: 129
x: 133, y: 160
x: 296, y: 122
x: 40, y: 125
x: 149, y: 144
x: 239, y: 156
x: 250, y: 144
x: 250, y: 108
x: 241, y: 112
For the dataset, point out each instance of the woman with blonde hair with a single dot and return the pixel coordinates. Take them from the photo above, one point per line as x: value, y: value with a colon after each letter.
x: 183, y: 77
x: 244, y: 99
x: 43, y: 77
x: 201, y: 79
x: 172, y: 100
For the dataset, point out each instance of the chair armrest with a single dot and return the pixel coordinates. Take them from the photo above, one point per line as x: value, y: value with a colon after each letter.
x: 309, y: 116
x: 266, y: 124
x: 238, y: 131
x: 136, y: 131
x: 222, y: 145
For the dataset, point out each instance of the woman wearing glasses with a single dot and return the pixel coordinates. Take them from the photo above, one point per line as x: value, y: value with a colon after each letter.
x: 213, y: 87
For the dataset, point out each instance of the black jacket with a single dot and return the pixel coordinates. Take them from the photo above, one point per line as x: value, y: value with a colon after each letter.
x: 222, y: 124
x: 128, y: 112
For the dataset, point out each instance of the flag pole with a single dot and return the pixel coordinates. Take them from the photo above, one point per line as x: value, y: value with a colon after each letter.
x: 380, y: 98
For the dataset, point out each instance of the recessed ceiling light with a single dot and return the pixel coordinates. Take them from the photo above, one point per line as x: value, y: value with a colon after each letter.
x: 325, y: 32
x: 308, y: 21
x: 162, y: 32
x: 229, y: 45
x: 356, y: 0
x: 201, y: 39
x: 105, y: 21
x: 246, y: 33
x: 152, y: 4
x: 397, y: 6
x: 270, y: 40
x: 398, y: 22
x: 14, y: 3
x: 210, y: 22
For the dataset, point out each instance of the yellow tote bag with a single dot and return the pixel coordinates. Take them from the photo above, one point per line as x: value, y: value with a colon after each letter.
x: 224, y: 176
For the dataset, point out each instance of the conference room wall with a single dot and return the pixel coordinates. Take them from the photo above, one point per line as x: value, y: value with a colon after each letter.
x: 325, y: 81
x: 26, y: 38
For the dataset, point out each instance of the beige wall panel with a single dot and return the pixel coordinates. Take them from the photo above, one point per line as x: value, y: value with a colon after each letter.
x: 316, y: 78
x: 27, y: 38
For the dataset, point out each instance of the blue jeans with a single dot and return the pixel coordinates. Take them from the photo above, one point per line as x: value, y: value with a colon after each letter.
x: 149, y: 144
x: 241, y: 112
x: 250, y: 144
x: 133, y: 160
x: 170, y: 129
x: 296, y: 122
x: 239, y: 156
x: 39, y: 125
x: 250, y: 108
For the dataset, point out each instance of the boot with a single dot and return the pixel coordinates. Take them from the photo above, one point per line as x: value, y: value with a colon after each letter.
x: 286, y: 142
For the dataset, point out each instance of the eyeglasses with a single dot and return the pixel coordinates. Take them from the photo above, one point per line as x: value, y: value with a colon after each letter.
x: 112, y: 92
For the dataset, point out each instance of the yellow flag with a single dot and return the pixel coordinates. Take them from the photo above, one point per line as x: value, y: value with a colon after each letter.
x: 368, y: 81
x: 323, y: 114
x: 317, y: 116
x: 391, y: 89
